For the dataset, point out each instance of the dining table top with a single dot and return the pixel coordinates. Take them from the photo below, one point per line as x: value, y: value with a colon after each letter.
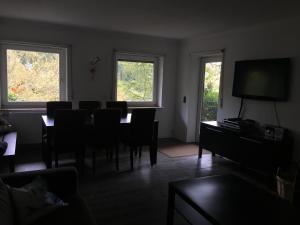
x: 49, y: 121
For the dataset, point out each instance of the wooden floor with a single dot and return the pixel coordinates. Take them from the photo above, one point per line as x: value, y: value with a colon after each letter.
x: 140, y: 196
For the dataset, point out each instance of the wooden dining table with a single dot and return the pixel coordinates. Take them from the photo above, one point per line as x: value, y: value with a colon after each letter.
x: 47, y: 130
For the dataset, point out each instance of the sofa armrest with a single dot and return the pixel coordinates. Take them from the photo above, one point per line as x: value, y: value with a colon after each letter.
x: 61, y: 181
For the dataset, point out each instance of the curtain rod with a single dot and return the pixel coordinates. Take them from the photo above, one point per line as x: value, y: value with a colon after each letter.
x: 37, y: 44
x: 138, y: 53
x: 208, y: 53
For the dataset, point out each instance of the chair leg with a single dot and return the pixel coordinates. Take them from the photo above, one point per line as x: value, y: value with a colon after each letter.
x: 107, y: 153
x: 82, y: 160
x: 77, y: 156
x: 117, y: 158
x: 131, y: 157
x: 56, y: 159
x: 94, y: 161
x: 140, y: 151
x: 111, y: 151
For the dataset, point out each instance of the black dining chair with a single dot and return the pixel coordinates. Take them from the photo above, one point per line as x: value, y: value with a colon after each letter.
x: 52, y: 106
x: 90, y: 106
x: 122, y: 105
x: 141, y: 131
x: 106, y: 134
x: 69, y: 134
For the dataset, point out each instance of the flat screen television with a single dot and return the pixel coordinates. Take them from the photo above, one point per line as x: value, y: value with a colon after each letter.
x: 265, y: 79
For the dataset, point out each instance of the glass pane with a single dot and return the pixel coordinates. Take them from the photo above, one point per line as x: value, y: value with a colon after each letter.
x: 211, y: 91
x: 135, y: 81
x: 32, y: 76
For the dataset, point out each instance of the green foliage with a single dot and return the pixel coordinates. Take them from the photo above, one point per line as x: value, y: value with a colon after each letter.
x: 12, y: 97
x: 135, y: 81
x: 32, y: 76
x: 211, y: 91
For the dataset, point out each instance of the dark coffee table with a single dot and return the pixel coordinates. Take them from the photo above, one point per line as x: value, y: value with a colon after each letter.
x: 229, y: 200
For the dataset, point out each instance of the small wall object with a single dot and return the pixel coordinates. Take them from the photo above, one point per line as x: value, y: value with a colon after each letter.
x: 93, y: 65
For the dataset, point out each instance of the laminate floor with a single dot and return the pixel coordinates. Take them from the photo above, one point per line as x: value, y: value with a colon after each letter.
x: 137, y: 197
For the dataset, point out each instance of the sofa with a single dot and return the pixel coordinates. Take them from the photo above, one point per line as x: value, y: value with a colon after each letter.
x: 63, y: 183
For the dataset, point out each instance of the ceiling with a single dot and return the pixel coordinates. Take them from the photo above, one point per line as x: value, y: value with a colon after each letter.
x: 163, y: 18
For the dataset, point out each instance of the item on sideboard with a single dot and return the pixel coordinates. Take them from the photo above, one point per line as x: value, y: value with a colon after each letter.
x: 286, y: 180
x: 273, y: 132
x: 238, y: 124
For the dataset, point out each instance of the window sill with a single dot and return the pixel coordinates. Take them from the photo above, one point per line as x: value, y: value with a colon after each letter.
x: 23, y: 110
x: 146, y: 107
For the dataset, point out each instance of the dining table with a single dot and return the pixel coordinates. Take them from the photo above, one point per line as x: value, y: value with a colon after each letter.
x: 47, y: 133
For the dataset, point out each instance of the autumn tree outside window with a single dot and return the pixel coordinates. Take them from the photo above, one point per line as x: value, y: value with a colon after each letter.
x: 32, y: 75
x: 138, y: 79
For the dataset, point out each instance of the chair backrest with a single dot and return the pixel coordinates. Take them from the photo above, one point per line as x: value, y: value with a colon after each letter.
x: 122, y: 105
x: 107, y: 126
x: 69, y: 129
x: 52, y: 106
x: 90, y: 106
x: 142, y: 125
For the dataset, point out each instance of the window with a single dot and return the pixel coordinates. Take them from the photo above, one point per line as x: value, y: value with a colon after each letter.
x: 138, y: 79
x: 32, y: 75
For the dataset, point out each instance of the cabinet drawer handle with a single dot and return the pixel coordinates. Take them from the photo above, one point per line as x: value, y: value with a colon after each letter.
x: 251, y: 140
x: 214, y: 130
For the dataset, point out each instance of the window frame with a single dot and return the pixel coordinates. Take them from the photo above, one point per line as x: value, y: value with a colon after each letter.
x: 63, y: 73
x: 157, y: 76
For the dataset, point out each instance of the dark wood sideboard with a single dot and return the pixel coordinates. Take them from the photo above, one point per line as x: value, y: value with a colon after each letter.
x: 251, y: 150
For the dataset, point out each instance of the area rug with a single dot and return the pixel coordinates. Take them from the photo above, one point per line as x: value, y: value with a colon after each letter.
x: 181, y: 150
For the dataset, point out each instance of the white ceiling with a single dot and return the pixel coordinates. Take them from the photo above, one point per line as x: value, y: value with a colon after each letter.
x: 164, y: 18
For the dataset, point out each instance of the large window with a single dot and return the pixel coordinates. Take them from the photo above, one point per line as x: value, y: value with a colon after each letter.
x: 32, y: 75
x: 138, y: 79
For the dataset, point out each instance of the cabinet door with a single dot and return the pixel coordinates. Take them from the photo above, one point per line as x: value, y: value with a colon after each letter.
x: 256, y: 154
x: 219, y: 141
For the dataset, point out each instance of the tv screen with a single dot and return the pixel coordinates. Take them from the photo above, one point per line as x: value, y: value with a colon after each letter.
x: 265, y: 79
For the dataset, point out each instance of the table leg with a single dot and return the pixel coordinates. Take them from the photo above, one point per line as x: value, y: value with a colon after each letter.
x: 117, y: 157
x: 49, y: 148
x: 46, y: 146
x: 154, y: 146
x: 200, y: 152
x: 171, y: 205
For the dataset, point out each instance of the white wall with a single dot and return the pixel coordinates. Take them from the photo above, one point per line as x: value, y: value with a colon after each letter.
x: 272, y: 40
x: 86, y: 44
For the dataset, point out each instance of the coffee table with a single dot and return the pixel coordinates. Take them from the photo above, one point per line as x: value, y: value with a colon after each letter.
x: 230, y: 200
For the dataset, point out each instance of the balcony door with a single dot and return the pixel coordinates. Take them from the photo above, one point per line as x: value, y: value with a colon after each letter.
x: 209, y: 91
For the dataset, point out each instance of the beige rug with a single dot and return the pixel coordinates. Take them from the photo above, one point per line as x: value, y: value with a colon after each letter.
x: 181, y: 150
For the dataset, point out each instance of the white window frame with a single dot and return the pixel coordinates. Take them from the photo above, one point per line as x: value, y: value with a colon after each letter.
x: 157, y: 76
x: 63, y: 70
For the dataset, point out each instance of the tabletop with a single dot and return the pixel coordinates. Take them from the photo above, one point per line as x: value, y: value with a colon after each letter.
x: 229, y: 200
x: 11, y: 139
x: 49, y: 121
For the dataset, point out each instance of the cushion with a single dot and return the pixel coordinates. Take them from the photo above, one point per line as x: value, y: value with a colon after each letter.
x: 6, y: 208
x: 33, y: 201
x: 76, y: 212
